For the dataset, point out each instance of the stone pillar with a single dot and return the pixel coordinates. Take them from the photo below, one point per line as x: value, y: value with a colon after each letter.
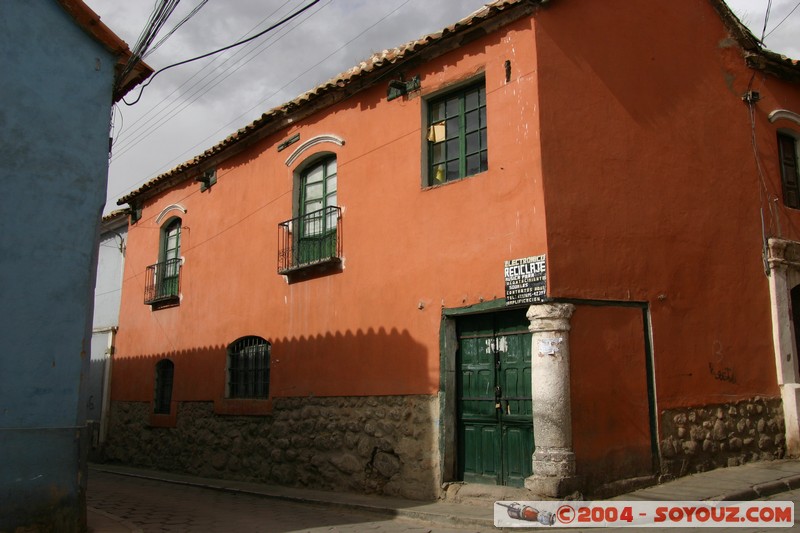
x: 784, y: 273
x: 553, y: 459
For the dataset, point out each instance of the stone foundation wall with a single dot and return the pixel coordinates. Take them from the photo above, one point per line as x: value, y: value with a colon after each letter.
x: 702, y: 438
x: 379, y: 445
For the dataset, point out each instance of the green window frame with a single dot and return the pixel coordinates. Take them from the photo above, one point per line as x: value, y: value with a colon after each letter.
x: 248, y: 368
x: 456, y: 134
x: 788, y: 148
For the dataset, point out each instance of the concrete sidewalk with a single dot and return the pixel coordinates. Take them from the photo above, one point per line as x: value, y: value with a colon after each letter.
x: 741, y: 483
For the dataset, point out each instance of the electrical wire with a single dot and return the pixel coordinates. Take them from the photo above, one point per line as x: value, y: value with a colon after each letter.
x: 203, y: 56
x: 163, y: 118
x: 782, y: 20
x: 155, y: 112
x: 766, y: 19
x: 263, y: 100
x: 161, y: 41
x: 162, y: 11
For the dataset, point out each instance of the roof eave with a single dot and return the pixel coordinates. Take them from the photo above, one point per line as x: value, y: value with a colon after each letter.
x: 755, y: 55
x: 340, y: 87
x: 90, y: 22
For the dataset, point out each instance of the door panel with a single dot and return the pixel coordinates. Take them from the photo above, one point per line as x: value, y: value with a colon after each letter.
x: 494, y: 391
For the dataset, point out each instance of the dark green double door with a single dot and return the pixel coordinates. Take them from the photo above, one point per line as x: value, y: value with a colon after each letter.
x: 495, y: 434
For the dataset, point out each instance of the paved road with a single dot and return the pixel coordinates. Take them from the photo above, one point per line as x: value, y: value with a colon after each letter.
x: 791, y: 495
x: 155, y: 506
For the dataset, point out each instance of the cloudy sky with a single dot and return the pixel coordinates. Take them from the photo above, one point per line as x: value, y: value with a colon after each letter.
x: 192, y: 107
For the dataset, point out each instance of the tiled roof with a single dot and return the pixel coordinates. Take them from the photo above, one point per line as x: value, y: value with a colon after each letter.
x: 755, y: 55
x: 377, y: 62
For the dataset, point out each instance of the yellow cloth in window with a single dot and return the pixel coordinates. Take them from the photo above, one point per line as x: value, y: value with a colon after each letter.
x: 436, y: 133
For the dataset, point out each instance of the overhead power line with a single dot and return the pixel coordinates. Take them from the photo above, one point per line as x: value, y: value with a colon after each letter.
x: 165, y: 111
x: 173, y: 30
x: 158, y: 18
x: 238, y: 43
x: 782, y: 20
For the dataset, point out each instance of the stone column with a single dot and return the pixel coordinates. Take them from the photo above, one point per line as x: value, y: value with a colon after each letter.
x: 784, y: 266
x: 553, y: 459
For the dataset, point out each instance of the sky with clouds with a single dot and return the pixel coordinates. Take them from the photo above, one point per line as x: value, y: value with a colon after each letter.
x: 189, y: 108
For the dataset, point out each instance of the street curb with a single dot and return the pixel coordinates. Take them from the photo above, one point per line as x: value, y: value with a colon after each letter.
x: 445, y: 519
x: 761, y: 490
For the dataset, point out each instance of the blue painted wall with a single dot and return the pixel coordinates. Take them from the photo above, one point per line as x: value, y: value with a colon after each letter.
x: 55, y: 102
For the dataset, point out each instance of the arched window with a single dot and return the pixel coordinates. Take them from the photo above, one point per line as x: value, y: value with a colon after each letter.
x: 318, y: 214
x: 248, y: 368
x: 165, y: 370
x: 163, y: 280
x: 170, y: 255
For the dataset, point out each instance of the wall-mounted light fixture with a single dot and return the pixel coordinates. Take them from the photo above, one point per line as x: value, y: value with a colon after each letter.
x: 207, y: 179
x: 401, y: 87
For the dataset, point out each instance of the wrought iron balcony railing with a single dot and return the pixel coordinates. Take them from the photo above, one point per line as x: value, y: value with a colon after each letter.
x: 162, y: 282
x: 311, y: 239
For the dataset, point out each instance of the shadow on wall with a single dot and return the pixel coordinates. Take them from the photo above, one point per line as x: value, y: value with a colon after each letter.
x: 354, y: 410
x: 375, y: 362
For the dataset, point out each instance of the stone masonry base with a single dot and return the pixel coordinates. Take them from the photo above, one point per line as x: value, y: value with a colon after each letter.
x: 702, y: 438
x: 379, y: 445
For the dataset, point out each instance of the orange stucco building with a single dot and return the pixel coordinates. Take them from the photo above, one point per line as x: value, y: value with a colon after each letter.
x: 552, y: 245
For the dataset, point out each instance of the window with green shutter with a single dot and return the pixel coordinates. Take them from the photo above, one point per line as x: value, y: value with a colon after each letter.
x: 457, y: 143
x: 790, y: 174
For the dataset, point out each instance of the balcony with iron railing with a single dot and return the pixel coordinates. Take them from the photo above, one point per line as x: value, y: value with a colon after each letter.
x: 163, y: 282
x: 310, y: 240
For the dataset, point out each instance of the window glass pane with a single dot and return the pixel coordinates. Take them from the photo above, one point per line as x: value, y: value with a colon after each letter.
x: 484, y: 161
x: 473, y: 164
x: 438, y: 152
x: 331, y: 184
x: 473, y: 142
x: 453, y: 172
x: 482, y: 112
x: 313, y: 191
x: 483, y: 139
x: 437, y: 111
x: 331, y: 166
x: 452, y: 127
x: 482, y: 93
x: 314, y: 174
x: 472, y: 100
x: 473, y: 121
x: 452, y: 148
x: 452, y: 107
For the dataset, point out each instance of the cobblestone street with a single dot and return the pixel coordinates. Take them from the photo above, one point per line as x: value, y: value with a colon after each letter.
x: 153, y: 506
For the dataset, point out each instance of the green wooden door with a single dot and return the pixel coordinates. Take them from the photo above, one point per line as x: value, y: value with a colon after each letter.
x: 494, y: 398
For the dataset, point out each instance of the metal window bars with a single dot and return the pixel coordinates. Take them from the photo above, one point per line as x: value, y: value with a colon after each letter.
x: 162, y: 281
x: 248, y: 368
x: 310, y: 239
